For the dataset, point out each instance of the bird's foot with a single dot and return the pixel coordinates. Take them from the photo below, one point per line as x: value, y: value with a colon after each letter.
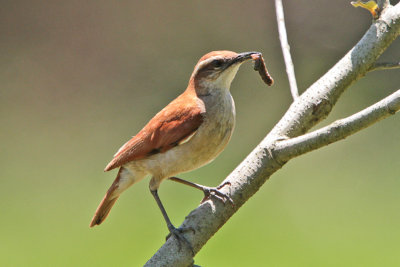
x: 178, y: 234
x: 214, y: 191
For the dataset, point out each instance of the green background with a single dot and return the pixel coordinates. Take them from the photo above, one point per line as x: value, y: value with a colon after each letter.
x: 79, y: 78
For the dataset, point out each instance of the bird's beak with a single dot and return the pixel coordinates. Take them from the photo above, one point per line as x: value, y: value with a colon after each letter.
x: 242, y: 57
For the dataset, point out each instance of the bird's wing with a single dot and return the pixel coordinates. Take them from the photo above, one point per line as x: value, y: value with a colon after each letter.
x: 172, y: 126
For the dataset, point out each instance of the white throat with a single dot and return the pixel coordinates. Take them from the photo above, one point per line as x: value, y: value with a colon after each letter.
x: 223, y: 81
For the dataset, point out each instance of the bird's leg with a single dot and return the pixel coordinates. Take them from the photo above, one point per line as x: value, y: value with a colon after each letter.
x: 208, y: 191
x: 177, y: 232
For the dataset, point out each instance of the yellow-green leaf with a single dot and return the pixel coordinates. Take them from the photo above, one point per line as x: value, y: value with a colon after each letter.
x: 371, y: 6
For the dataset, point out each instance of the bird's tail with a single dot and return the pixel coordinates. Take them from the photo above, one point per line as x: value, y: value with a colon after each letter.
x: 119, y: 185
x: 103, y: 210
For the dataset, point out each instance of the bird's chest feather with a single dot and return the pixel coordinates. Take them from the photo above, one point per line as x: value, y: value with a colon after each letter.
x: 217, y: 127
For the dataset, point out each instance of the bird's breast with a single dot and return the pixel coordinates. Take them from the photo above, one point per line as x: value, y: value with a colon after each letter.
x: 217, y: 128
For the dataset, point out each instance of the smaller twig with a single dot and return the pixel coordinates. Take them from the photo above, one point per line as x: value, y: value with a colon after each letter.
x: 338, y: 130
x: 286, y: 49
x: 383, y: 4
x: 385, y: 66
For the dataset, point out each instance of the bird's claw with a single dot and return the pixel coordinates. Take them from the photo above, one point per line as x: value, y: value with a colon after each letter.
x: 214, y: 191
x: 178, y: 234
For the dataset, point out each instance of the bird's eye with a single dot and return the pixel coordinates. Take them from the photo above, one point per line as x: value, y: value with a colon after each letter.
x: 217, y: 63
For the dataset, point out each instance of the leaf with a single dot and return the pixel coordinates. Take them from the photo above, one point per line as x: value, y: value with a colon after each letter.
x: 371, y: 6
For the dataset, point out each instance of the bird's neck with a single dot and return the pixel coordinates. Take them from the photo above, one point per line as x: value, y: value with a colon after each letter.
x: 207, y: 88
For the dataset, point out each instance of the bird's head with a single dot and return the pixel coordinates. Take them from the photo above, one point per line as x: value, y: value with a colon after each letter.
x: 217, y: 69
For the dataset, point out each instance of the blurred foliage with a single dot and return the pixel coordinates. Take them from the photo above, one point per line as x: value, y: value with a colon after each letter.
x: 79, y: 78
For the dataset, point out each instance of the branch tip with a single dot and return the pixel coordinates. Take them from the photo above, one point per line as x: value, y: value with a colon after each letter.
x: 385, y: 66
x: 286, y: 49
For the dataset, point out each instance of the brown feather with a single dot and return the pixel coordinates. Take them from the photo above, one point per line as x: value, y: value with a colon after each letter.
x: 177, y: 121
x: 107, y: 203
x: 102, y: 211
x: 223, y: 53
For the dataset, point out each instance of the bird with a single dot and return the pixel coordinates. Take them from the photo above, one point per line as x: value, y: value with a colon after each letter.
x: 188, y: 133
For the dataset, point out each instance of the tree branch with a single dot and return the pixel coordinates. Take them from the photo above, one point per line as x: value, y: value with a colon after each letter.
x: 338, y: 130
x: 305, y: 112
x: 383, y: 4
x: 385, y: 66
x: 286, y: 49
